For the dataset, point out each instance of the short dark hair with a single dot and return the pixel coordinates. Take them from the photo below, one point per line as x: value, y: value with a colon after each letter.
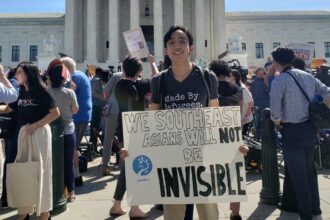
x: 132, y: 66
x: 55, y: 76
x: 298, y: 63
x: 105, y: 76
x: 283, y: 55
x: 98, y: 71
x: 220, y: 67
x: 11, y: 73
x: 172, y: 29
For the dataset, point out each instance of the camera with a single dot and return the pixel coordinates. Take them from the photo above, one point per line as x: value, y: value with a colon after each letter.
x: 235, y: 64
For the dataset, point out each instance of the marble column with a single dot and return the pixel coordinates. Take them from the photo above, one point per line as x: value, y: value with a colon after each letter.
x: 69, y: 34
x: 200, y: 30
x: 219, y: 27
x: 113, y: 58
x: 134, y: 14
x: 178, y: 12
x: 92, y: 32
x: 158, y: 30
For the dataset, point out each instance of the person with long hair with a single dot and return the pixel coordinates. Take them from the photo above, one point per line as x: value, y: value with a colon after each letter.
x: 36, y: 109
x: 66, y: 101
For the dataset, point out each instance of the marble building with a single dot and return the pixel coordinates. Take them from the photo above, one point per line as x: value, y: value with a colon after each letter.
x: 91, y: 30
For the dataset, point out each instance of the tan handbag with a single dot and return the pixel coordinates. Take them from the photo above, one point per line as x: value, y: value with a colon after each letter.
x: 24, y: 178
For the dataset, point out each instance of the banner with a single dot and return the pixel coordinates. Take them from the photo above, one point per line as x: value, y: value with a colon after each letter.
x: 184, y: 156
x: 136, y: 43
x: 304, y: 51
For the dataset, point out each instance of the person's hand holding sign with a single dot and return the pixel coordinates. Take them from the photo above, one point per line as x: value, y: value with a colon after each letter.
x: 123, y: 153
x: 244, y: 149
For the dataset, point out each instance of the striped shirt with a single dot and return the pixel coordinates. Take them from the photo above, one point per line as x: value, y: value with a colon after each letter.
x: 287, y: 102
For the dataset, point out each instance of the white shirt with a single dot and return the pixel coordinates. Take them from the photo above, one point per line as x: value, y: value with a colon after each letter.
x: 247, y: 98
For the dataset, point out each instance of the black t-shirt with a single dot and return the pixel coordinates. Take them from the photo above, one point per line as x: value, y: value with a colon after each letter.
x: 32, y: 107
x: 190, y: 93
x: 229, y: 94
x: 124, y: 89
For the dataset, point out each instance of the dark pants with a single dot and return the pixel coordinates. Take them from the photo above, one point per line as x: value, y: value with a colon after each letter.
x: 298, y: 149
x: 245, y: 130
x: 189, y: 212
x: 121, y: 183
x: 95, y: 123
x: 80, y: 130
x: 257, y: 123
x: 69, y: 147
x: 121, y: 189
x: 10, y: 154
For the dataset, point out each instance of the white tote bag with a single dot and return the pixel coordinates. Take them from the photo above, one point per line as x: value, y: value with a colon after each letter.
x: 23, y: 178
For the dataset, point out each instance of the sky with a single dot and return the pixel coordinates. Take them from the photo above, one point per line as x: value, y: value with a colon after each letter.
x: 30, y: 6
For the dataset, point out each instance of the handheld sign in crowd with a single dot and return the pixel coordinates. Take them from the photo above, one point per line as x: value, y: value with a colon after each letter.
x: 303, y: 50
x: 136, y: 43
x: 183, y: 156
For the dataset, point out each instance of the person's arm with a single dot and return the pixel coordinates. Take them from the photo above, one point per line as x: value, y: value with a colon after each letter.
x: 154, y: 107
x: 271, y: 72
x: 154, y: 69
x: 248, y: 100
x: 109, y: 87
x: 4, y: 109
x: 249, y: 109
x: 276, y: 97
x: 214, y: 85
x: 213, y: 103
x: 53, y: 114
x: 8, y: 93
x: 74, y: 103
x: 74, y: 109
x: 324, y: 91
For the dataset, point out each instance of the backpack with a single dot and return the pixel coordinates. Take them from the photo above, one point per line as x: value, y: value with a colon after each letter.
x: 205, y: 75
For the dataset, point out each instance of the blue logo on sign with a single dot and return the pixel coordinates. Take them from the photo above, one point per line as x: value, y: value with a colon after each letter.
x: 142, y: 165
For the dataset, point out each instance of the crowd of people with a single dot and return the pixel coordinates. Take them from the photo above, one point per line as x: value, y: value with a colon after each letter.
x: 69, y: 95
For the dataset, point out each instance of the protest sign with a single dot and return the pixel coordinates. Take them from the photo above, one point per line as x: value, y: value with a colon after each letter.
x: 136, y: 43
x: 183, y: 156
x: 304, y: 51
x: 317, y: 62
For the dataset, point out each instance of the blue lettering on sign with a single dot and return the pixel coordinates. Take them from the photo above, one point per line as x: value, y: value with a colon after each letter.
x: 142, y: 165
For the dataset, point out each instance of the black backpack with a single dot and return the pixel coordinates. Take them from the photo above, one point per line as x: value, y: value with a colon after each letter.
x: 205, y: 75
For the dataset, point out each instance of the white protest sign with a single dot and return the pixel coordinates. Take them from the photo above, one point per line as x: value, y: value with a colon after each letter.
x: 184, y: 156
x: 304, y: 51
x: 136, y: 43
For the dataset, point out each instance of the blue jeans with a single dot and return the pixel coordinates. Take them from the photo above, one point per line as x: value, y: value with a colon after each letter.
x: 298, y: 149
x: 69, y: 147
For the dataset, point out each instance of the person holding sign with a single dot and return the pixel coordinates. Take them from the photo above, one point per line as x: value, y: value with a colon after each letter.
x: 129, y: 93
x: 184, y: 85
